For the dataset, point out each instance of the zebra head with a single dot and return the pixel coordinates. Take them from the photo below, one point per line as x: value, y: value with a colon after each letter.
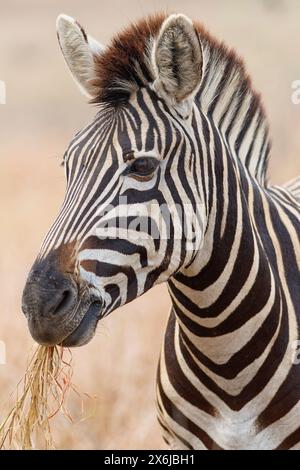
x: 134, y: 212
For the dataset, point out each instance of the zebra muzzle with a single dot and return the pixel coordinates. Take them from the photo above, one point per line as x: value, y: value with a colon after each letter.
x: 57, y: 310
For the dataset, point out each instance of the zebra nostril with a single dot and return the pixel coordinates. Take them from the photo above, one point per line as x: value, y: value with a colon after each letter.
x: 49, y: 292
x: 63, y: 303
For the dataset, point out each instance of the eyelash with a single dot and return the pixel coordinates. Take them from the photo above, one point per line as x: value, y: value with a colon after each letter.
x: 63, y: 162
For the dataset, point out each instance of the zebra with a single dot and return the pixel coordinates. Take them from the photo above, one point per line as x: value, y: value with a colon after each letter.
x: 179, y: 125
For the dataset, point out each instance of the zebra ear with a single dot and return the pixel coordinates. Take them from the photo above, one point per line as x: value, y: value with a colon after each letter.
x: 177, y: 59
x: 79, y: 51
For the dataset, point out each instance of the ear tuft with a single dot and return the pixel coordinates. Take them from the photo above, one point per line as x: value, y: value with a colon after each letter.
x: 177, y: 59
x: 79, y: 51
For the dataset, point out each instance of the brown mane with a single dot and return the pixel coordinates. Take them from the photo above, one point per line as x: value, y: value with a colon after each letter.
x: 124, y: 59
x: 125, y: 64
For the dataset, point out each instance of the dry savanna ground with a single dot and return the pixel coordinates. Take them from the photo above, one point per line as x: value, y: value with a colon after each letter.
x: 43, y: 110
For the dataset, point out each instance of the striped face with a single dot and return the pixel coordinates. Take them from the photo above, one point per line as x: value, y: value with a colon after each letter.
x: 129, y: 220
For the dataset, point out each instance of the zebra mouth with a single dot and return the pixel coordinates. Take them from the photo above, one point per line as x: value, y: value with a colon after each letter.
x: 86, y: 328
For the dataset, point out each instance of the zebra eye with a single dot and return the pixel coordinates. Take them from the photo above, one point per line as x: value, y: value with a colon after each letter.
x: 143, y: 167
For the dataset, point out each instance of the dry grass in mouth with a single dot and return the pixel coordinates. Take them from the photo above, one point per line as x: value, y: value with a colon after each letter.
x: 40, y: 395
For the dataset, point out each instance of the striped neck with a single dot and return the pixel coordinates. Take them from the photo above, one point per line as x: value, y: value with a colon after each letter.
x: 218, y: 300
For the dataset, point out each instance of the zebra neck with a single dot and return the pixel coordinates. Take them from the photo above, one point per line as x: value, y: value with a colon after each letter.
x: 218, y: 301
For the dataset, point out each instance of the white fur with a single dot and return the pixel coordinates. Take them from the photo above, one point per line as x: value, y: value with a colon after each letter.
x: 79, y: 53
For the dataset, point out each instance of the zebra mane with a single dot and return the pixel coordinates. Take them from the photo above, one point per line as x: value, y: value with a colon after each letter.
x: 226, y: 90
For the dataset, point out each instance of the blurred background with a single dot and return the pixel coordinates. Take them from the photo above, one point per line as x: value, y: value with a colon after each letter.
x: 43, y: 110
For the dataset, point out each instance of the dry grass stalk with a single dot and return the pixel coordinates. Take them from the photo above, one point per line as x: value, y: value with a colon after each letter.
x: 40, y: 395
